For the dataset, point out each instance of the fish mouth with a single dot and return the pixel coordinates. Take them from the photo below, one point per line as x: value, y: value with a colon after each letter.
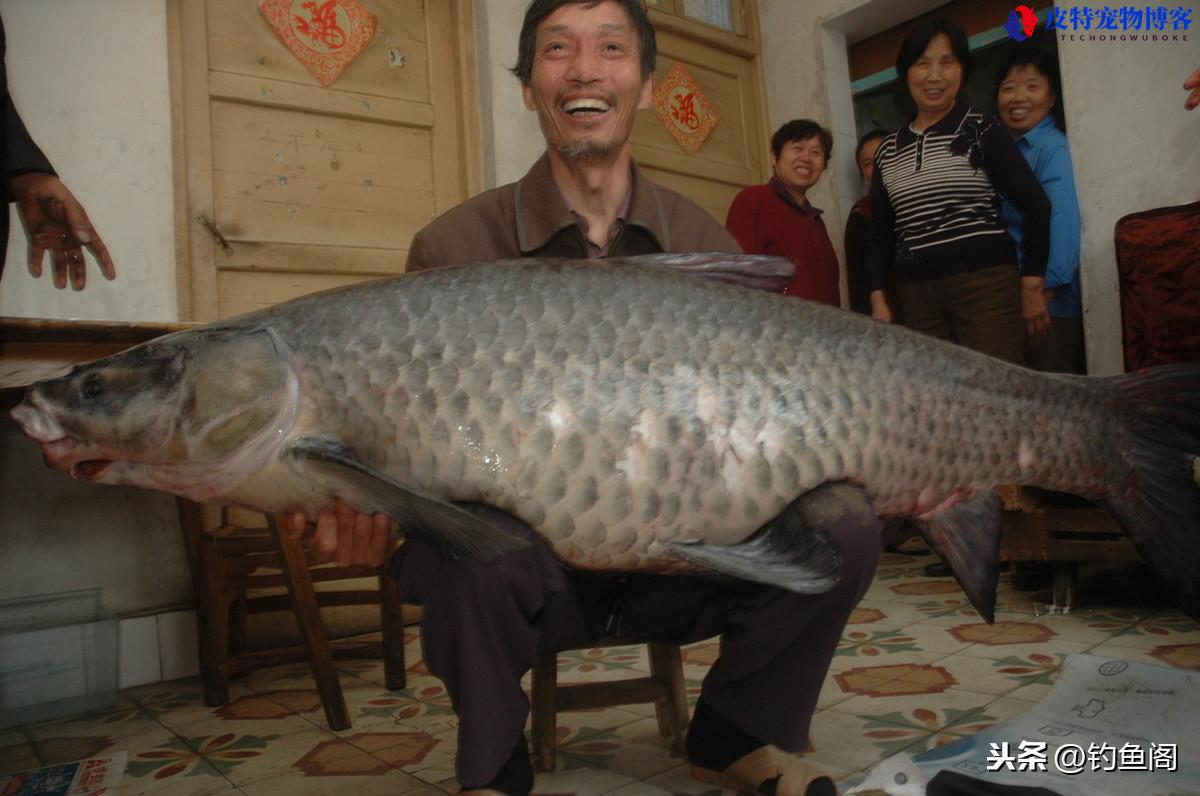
x: 71, y: 457
x: 90, y: 470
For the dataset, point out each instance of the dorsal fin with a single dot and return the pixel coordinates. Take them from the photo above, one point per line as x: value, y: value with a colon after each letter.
x: 748, y: 270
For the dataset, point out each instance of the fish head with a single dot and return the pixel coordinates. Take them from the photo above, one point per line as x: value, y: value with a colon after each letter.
x: 192, y: 413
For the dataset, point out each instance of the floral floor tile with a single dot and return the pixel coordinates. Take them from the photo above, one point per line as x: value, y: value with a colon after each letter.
x: 844, y: 742
x: 831, y: 693
x: 387, y: 783
x: 639, y: 789
x: 635, y: 749
x: 1032, y: 692
x: 188, y: 778
x: 923, y: 712
x: 1183, y: 656
x: 679, y: 782
x: 63, y: 749
x: 250, y: 756
x: 259, y: 717
x: 883, y: 616
x: 181, y: 702
x: 607, y: 663
x: 841, y: 663
x: 1008, y: 640
x: 126, y: 718
x: 579, y: 780
x: 429, y: 758
x: 291, y: 675
x: 1000, y: 676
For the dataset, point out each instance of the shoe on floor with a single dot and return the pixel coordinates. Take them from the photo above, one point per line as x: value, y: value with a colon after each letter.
x: 769, y: 770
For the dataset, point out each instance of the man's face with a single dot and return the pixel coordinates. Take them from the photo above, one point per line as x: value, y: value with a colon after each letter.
x: 586, y: 84
x: 800, y: 164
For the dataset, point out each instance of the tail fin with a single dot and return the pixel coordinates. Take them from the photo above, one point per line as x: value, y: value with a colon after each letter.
x: 1158, y: 503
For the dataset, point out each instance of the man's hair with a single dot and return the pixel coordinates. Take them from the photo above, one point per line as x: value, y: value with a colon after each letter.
x: 1027, y: 54
x: 800, y: 130
x: 540, y: 9
x: 917, y: 42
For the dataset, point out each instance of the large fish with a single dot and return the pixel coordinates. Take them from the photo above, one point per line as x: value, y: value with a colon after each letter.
x: 635, y: 415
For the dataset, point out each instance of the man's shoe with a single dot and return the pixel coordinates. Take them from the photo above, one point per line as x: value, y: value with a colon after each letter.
x: 769, y: 770
x: 723, y: 755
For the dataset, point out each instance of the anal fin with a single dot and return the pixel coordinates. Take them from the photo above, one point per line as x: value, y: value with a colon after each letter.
x: 455, y: 533
x: 791, y: 551
x: 967, y: 538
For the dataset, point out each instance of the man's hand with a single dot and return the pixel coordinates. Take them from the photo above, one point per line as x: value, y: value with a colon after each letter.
x: 343, y: 535
x: 56, y: 222
x: 1035, y: 310
x: 1192, y: 84
x: 880, y: 310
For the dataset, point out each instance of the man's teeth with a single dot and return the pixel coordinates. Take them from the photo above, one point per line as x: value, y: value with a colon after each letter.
x: 584, y: 106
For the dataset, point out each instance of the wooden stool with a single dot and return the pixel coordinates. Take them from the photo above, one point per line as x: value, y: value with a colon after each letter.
x: 231, y: 561
x: 664, y: 687
x: 1037, y: 529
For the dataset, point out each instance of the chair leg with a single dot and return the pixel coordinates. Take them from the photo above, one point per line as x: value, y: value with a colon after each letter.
x: 543, y: 688
x: 666, y: 666
x: 392, y: 621
x: 312, y: 629
x: 214, y: 629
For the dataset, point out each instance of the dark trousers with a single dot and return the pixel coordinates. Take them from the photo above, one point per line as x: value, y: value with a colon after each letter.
x: 980, y: 310
x: 485, y: 623
x: 1063, y: 351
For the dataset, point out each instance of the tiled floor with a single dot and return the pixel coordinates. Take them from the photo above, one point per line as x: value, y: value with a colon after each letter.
x: 917, y: 668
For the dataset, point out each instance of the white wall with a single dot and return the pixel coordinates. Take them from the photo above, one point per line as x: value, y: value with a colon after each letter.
x: 1133, y: 145
x: 512, y: 140
x: 89, y: 78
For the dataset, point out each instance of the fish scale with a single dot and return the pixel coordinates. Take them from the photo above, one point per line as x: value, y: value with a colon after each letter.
x: 821, y: 365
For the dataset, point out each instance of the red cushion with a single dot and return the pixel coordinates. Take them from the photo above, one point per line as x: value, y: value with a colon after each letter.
x: 1158, y: 263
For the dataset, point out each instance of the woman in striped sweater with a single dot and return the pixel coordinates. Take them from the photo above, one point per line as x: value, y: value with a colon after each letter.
x: 935, y: 221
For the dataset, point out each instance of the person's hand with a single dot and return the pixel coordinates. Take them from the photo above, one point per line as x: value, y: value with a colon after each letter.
x: 880, y: 310
x: 1192, y: 84
x: 56, y: 222
x: 1035, y: 310
x: 343, y: 535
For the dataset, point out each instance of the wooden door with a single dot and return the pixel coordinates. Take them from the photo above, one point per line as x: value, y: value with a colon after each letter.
x: 727, y: 65
x: 312, y: 187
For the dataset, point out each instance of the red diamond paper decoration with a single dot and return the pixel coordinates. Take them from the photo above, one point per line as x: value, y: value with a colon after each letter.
x: 324, y: 35
x: 685, y: 111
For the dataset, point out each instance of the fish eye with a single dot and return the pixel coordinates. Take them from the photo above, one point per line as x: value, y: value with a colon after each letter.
x: 92, y: 387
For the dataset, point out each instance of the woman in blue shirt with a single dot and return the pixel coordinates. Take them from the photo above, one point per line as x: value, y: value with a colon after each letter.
x: 1027, y: 102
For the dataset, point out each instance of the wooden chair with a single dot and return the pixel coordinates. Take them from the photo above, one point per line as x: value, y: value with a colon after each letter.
x: 664, y: 687
x: 236, y: 560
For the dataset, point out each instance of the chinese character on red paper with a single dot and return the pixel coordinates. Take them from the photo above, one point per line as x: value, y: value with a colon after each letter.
x: 684, y: 110
x: 323, y: 35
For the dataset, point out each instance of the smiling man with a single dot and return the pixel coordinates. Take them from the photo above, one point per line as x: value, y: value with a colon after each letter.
x: 586, y: 68
x: 777, y: 218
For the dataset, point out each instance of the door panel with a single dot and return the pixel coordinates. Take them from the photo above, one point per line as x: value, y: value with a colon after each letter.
x: 314, y: 186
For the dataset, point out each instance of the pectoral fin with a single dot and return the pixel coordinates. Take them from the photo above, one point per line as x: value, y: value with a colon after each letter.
x: 791, y: 551
x: 453, y: 532
x: 967, y: 537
